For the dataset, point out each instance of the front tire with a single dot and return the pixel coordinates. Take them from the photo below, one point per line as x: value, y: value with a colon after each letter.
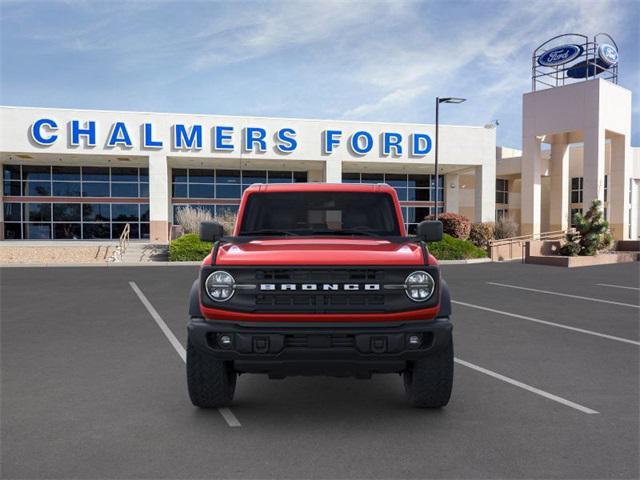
x: 428, y: 381
x: 211, y: 382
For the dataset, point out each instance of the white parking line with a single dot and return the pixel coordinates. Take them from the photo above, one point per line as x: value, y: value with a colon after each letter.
x: 226, y: 413
x: 529, y: 388
x: 545, y: 322
x: 591, y: 299
x: 616, y: 286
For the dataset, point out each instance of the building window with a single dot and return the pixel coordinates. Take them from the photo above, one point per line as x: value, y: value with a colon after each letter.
x: 63, y: 181
x: 606, y: 187
x: 65, y: 214
x: 576, y: 189
x: 502, y: 213
x: 502, y: 190
x: 211, y: 185
x: 74, y: 221
x: 409, y: 188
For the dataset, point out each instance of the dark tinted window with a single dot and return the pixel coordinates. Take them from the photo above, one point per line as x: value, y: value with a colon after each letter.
x: 95, y: 189
x: 124, y: 174
x: 11, y: 172
x: 36, y: 172
x: 324, y: 213
x: 97, y: 174
x: 66, y: 173
x: 66, y: 189
x: 96, y: 212
x: 66, y: 212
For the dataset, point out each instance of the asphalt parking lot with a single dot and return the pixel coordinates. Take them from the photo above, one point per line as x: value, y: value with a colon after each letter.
x: 546, y: 385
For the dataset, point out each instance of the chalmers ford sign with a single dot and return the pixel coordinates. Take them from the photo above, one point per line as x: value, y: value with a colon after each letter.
x: 196, y: 137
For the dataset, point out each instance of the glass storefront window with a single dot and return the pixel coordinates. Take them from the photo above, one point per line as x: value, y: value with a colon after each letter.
x: 66, y: 212
x: 66, y: 189
x: 66, y: 173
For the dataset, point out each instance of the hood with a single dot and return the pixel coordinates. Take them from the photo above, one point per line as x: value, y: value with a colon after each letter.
x: 320, y: 251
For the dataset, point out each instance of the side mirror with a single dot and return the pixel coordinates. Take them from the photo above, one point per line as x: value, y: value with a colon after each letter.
x: 211, y: 231
x: 429, y: 231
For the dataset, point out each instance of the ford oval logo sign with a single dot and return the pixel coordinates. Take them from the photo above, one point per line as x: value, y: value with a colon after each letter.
x: 608, y: 54
x: 560, y: 55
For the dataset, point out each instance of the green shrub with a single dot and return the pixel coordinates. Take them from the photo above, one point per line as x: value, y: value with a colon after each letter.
x: 457, y: 226
x: 591, y: 235
x: 481, y: 234
x: 450, y: 248
x: 188, y: 247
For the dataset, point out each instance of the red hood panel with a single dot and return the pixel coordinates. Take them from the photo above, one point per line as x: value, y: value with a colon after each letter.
x: 320, y: 251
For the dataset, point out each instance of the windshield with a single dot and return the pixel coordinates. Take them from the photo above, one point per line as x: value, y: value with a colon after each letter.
x: 320, y: 213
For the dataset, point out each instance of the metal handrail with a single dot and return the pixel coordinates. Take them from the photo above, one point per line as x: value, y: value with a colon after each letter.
x: 123, y: 244
x: 535, y: 236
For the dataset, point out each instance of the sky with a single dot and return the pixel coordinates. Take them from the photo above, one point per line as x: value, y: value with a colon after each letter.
x: 381, y: 61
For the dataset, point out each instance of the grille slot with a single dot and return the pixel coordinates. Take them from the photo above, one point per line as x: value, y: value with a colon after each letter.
x: 319, y: 341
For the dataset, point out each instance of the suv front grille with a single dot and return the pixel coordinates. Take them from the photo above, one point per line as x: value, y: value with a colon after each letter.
x: 329, y: 290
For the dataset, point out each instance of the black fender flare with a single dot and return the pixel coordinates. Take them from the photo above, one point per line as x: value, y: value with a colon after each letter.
x: 194, y: 300
x: 445, y: 300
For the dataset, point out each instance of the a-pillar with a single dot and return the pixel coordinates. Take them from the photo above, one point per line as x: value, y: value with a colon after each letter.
x: 559, y: 196
x: 531, y: 186
x: 485, y: 192
x: 158, y: 198
x: 452, y: 194
x: 618, y: 188
x: 593, y: 167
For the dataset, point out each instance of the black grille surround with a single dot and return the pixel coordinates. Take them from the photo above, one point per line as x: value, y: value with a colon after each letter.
x: 250, y: 298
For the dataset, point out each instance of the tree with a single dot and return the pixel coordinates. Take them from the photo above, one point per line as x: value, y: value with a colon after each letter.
x: 591, y: 235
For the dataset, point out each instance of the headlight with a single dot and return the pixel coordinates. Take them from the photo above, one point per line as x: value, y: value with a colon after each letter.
x: 419, y: 286
x: 220, y: 286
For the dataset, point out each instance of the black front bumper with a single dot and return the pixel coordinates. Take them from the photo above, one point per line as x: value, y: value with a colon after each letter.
x: 284, y: 349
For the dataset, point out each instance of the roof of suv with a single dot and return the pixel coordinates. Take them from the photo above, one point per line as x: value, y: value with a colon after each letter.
x: 320, y: 187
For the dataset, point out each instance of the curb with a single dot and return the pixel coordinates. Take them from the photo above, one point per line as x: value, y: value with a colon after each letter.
x: 99, y: 265
x: 464, y: 262
x: 177, y: 264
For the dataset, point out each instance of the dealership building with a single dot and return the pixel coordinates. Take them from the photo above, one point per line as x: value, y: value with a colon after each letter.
x: 85, y: 174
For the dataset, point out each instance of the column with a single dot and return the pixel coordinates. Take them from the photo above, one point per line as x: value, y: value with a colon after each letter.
x: 452, y: 194
x: 593, y: 167
x: 333, y: 170
x: 559, y: 196
x: 159, y: 198
x: 485, y: 192
x: 618, y: 188
x: 531, y: 188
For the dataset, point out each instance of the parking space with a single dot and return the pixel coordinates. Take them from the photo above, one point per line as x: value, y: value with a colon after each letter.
x: 92, y: 387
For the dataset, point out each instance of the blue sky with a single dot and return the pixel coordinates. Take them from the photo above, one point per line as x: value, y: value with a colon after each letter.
x: 355, y: 60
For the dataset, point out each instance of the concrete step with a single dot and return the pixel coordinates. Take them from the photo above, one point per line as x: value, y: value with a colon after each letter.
x: 145, y: 252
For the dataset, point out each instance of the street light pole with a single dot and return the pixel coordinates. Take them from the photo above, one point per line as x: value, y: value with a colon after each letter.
x: 438, y: 102
x: 436, y: 153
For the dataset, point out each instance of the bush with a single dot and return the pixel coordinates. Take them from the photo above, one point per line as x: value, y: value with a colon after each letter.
x: 190, y: 218
x: 457, y: 226
x: 189, y: 247
x: 481, y: 234
x: 505, y: 228
x: 591, y: 234
x: 450, y: 248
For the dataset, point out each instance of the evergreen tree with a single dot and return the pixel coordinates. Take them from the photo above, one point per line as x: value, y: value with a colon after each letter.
x: 591, y: 235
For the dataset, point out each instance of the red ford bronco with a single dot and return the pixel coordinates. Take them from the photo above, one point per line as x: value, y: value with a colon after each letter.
x: 320, y: 279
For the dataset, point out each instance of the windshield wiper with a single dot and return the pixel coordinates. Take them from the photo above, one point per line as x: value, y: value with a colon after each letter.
x: 268, y: 231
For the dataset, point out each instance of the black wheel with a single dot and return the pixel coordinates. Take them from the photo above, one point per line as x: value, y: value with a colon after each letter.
x: 428, y: 381
x: 211, y: 382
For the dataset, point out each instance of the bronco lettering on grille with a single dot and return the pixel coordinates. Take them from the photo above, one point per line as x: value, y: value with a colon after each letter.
x: 319, y: 286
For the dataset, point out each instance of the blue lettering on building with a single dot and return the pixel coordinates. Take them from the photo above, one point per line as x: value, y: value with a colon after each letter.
x: 390, y: 141
x: 361, y: 142
x: 420, y: 144
x: 222, y: 135
x: 38, y: 135
x: 286, y: 141
x: 255, y: 136
x: 89, y: 132
x: 330, y: 139
x: 119, y: 136
x: 184, y: 138
x: 147, y: 137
